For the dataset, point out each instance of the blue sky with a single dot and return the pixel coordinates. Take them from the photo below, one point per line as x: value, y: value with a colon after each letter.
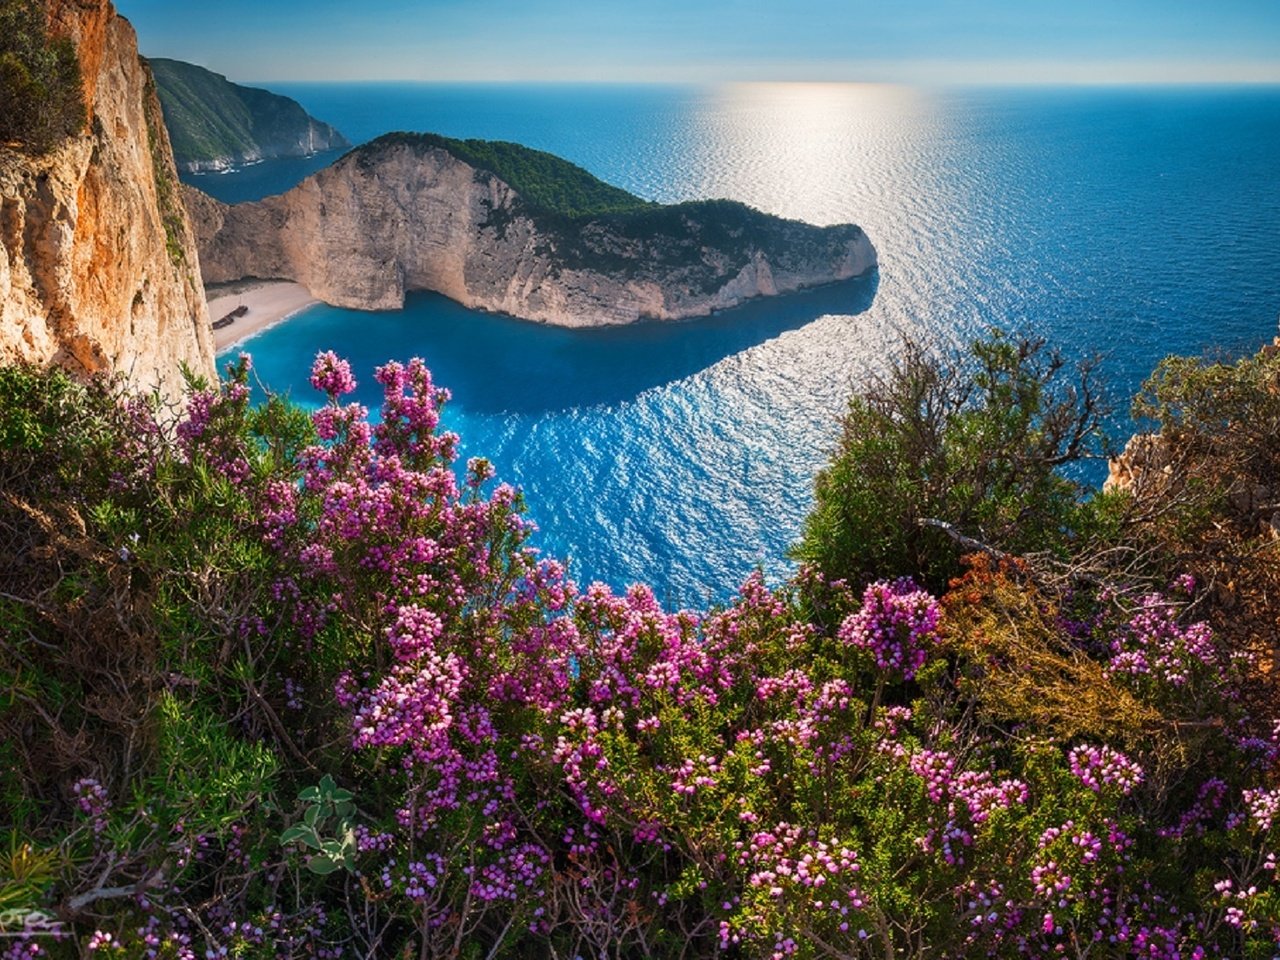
x: 925, y: 41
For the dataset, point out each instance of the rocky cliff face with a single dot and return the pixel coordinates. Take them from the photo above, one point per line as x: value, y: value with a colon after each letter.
x: 98, y: 267
x: 215, y: 124
x: 400, y: 215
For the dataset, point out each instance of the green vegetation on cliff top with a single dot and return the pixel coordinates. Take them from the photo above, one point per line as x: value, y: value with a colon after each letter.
x: 564, y: 198
x: 545, y: 181
x: 560, y: 190
x: 41, y: 100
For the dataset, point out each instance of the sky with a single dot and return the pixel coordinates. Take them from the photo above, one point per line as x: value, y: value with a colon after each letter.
x: 908, y: 41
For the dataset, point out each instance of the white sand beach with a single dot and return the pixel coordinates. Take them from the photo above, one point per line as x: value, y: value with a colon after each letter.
x: 269, y: 302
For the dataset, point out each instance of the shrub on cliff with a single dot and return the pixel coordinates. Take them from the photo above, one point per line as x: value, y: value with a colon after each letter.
x: 1209, y: 494
x: 41, y: 98
x: 1219, y: 423
x: 974, y: 442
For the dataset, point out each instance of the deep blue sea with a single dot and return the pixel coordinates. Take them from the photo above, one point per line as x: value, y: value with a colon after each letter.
x: 1136, y: 222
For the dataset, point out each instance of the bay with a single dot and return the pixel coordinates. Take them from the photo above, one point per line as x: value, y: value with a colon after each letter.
x: 1137, y: 222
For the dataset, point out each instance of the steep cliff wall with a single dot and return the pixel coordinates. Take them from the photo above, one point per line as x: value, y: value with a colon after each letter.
x: 98, y: 266
x: 409, y: 213
x: 215, y: 124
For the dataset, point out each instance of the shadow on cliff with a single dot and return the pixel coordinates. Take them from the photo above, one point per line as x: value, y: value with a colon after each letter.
x: 496, y: 364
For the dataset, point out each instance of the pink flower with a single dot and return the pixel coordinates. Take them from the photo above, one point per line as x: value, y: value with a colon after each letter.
x: 332, y: 375
x: 898, y: 625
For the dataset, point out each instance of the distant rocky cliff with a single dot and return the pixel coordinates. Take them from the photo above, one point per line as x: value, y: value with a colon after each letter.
x: 502, y: 228
x: 215, y: 124
x: 98, y: 267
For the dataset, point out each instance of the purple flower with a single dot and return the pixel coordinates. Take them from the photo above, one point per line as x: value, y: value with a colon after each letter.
x: 898, y: 625
x: 1098, y: 767
x: 331, y: 375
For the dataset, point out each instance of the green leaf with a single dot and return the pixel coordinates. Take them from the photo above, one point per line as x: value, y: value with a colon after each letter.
x: 309, y: 795
x: 310, y: 817
x: 321, y: 865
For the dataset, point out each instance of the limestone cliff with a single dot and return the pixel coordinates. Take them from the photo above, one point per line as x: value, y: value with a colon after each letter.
x: 98, y: 266
x: 538, y: 239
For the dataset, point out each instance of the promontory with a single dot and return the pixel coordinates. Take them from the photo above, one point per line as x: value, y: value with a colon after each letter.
x: 504, y: 228
x: 215, y: 124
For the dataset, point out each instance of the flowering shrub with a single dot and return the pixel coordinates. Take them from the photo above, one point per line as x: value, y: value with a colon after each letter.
x: 511, y: 765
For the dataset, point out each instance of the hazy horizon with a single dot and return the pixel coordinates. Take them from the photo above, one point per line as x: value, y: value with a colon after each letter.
x: 991, y: 42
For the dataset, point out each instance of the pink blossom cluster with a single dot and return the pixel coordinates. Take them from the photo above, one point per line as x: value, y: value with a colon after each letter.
x: 1100, y: 766
x: 332, y: 376
x: 1234, y: 900
x: 1154, y: 644
x: 1264, y: 806
x: 91, y: 800
x: 962, y: 801
x: 1076, y: 863
x: 788, y: 862
x: 898, y: 625
x: 210, y: 428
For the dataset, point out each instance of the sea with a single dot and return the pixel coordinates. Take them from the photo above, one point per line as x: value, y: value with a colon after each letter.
x: 1130, y: 222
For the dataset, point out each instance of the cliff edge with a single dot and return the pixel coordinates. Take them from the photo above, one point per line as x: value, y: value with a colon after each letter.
x: 500, y: 227
x: 98, y: 265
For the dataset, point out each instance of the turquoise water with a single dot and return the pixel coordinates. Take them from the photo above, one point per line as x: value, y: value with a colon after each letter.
x: 1134, y: 222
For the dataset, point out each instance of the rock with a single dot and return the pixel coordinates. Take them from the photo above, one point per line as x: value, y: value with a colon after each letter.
x: 407, y: 212
x: 98, y: 266
x: 1144, y: 460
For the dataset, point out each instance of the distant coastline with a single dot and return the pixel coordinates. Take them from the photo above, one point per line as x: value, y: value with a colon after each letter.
x: 216, y: 125
x: 269, y: 302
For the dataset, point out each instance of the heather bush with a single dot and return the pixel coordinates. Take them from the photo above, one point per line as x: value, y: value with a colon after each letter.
x: 288, y: 684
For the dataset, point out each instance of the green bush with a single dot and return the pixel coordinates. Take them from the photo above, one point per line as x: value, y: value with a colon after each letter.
x: 41, y: 99
x: 1207, y: 483
x: 974, y: 442
x: 1222, y: 418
